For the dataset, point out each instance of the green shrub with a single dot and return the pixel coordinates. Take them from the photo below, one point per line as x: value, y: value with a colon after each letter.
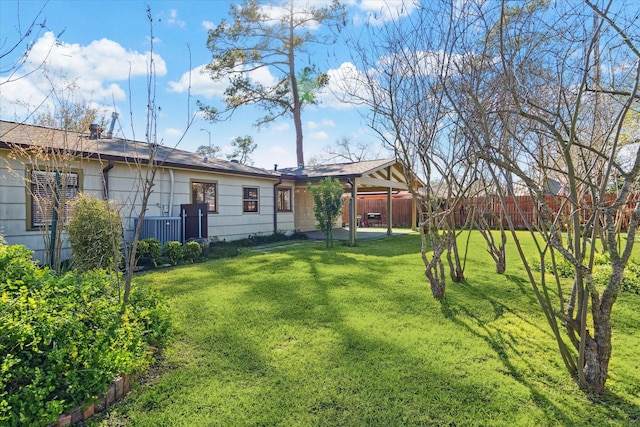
x: 149, y: 309
x: 630, y: 279
x: 63, y: 338
x: 95, y: 234
x: 173, y: 251
x: 149, y: 247
x: 154, y: 251
x: 565, y: 268
x: 191, y: 251
x: 141, y: 249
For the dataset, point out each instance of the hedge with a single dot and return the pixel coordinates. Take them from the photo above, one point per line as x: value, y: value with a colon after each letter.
x: 63, y: 338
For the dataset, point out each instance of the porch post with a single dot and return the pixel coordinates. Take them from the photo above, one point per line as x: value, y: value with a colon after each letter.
x: 353, y: 220
x: 414, y: 214
x: 389, y: 204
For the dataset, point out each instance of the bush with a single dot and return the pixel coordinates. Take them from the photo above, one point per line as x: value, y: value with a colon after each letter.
x: 151, y: 248
x: 173, y: 251
x: 155, y: 250
x: 95, y: 234
x: 631, y: 278
x: 63, y: 338
x: 565, y: 268
x: 191, y: 251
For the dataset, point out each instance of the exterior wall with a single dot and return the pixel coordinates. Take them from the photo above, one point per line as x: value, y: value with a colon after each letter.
x: 230, y: 222
x: 305, y: 220
x: 286, y: 220
x: 14, y: 224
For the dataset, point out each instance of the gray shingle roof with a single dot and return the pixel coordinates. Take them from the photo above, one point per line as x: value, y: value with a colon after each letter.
x: 338, y: 170
x: 118, y: 149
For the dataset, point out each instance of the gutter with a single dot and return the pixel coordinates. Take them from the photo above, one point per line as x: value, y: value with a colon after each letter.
x: 105, y: 179
x: 275, y: 205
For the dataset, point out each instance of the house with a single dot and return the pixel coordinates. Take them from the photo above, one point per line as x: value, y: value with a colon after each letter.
x: 192, y: 196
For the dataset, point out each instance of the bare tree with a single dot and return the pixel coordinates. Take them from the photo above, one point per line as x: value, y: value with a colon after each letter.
x: 565, y: 120
x: 347, y: 150
x: 51, y: 164
x: 146, y: 165
x: 402, y: 86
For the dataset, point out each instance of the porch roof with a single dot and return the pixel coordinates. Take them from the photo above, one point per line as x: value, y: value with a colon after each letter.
x: 369, y: 175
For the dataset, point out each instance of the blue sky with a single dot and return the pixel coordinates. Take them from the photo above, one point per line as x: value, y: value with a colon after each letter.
x: 102, y: 46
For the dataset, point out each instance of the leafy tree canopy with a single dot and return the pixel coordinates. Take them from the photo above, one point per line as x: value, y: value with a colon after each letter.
x: 273, y: 37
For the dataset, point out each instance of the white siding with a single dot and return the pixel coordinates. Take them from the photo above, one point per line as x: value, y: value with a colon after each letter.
x: 305, y: 220
x: 230, y: 222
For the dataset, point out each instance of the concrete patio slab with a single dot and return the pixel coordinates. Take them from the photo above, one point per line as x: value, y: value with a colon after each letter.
x: 364, y: 233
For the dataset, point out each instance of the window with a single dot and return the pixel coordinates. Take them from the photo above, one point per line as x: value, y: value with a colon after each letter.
x: 205, y: 192
x: 284, y: 200
x: 45, y: 188
x: 250, y: 199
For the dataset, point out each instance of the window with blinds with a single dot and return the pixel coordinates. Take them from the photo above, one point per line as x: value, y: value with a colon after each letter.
x: 46, y: 186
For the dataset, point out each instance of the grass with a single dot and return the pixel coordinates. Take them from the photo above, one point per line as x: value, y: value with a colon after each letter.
x: 297, y: 335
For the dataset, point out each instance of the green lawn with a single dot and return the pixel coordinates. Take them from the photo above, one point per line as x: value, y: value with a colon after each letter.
x: 298, y: 335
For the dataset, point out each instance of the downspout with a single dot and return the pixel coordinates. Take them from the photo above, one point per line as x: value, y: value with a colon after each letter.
x: 275, y: 205
x: 171, y: 190
x: 105, y: 179
x: 352, y: 214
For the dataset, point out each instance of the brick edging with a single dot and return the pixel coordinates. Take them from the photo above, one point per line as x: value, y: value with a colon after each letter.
x: 119, y: 388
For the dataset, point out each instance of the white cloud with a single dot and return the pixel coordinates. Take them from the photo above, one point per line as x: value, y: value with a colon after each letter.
x: 343, y: 83
x: 378, y: 12
x: 319, y: 135
x: 173, y: 19
x: 173, y: 132
x: 280, y: 128
x: 202, y: 84
x: 101, y: 59
x: 325, y: 123
x: 208, y: 25
x: 92, y: 72
x: 283, y: 157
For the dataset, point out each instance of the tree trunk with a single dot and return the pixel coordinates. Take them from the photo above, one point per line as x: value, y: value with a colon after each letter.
x: 453, y: 258
x: 597, y: 356
x: 435, y: 270
x: 296, y: 110
x: 497, y: 251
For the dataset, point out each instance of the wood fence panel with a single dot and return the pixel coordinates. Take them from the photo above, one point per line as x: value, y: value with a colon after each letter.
x: 401, y: 211
x: 523, y: 210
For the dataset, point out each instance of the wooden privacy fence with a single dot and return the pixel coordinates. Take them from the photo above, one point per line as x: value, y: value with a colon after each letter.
x: 522, y: 209
x: 525, y: 211
x: 401, y: 212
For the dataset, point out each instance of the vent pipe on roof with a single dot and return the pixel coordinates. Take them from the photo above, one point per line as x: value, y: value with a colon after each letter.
x: 114, y: 117
x: 275, y: 166
x: 95, y: 131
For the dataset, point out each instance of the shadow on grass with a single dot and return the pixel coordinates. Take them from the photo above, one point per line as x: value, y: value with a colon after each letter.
x: 501, y: 346
x: 371, y: 375
x: 498, y: 344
